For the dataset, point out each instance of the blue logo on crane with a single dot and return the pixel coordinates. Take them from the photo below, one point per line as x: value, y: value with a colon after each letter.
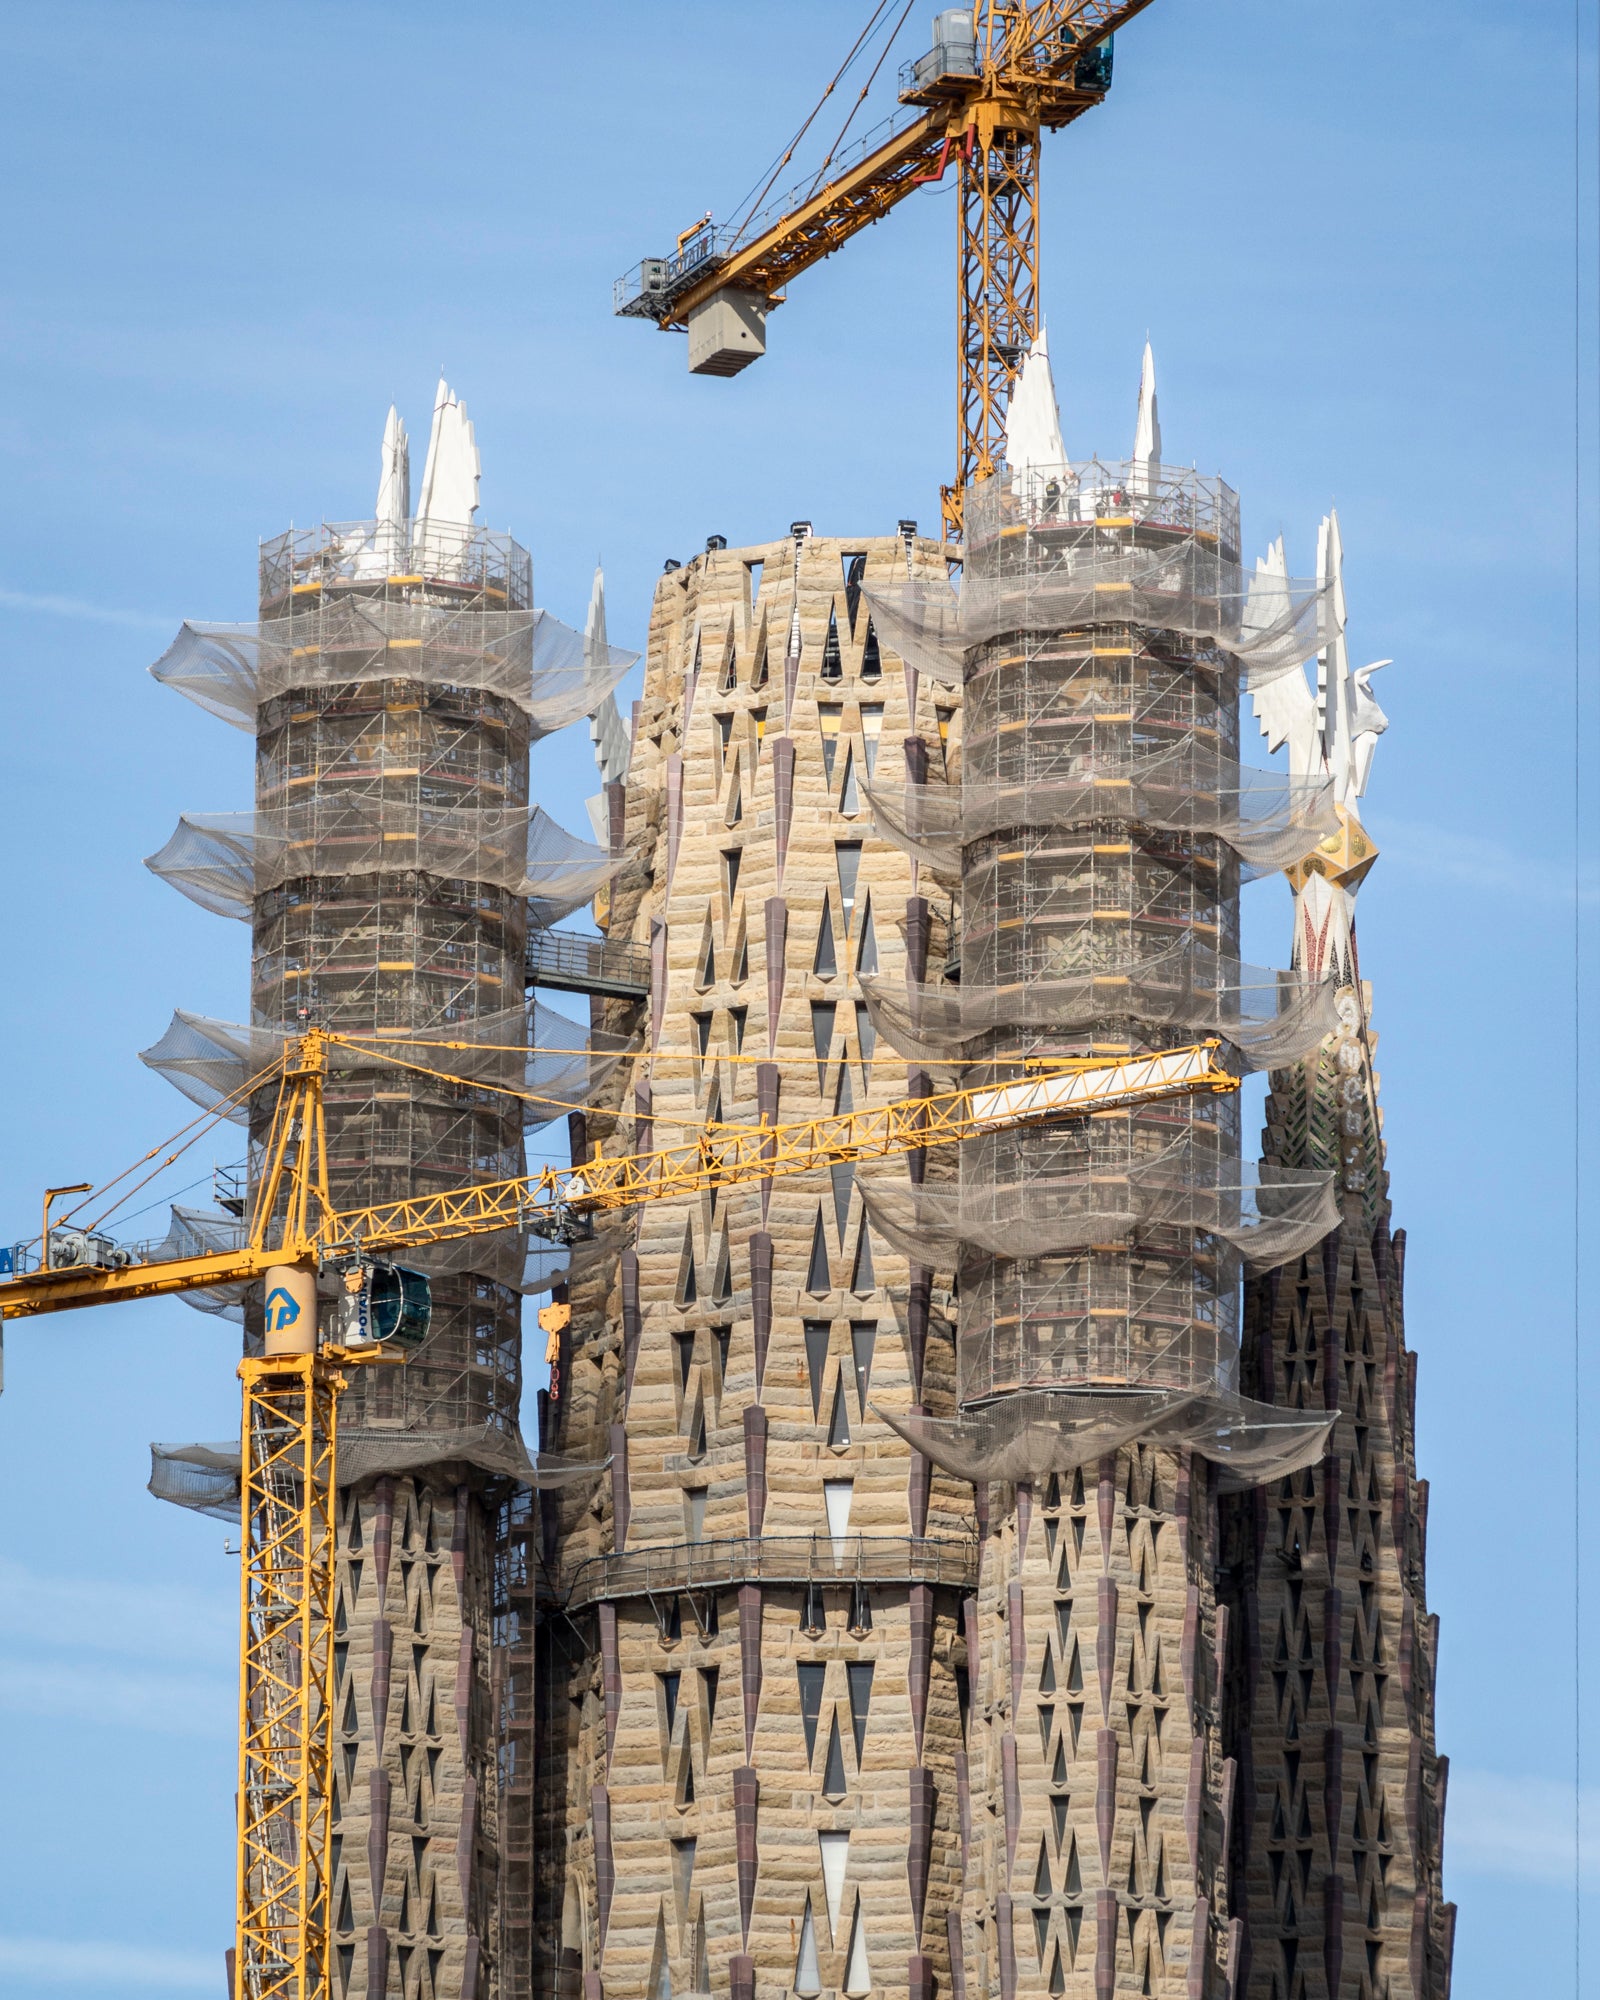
x: 282, y: 1310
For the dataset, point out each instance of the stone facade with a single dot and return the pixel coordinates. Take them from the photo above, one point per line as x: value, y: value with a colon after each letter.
x: 1337, y: 1851
x: 752, y: 1775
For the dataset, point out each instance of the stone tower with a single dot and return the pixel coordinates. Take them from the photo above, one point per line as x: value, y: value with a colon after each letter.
x: 393, y: 682
x: 1329, y: 1707
x: 752, y: 1777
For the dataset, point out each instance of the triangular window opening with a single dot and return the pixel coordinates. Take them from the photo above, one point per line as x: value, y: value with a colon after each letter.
x: 708, y: 960
x: 722, y: 1282
x: 855, y: 571
x: 863, y: 1279
x: 1041, y: 1875
x: 810, y: 1674
x: 818, y: 1277
x: 759, y: 678
x: 857, y: 1972
x: 832, y: 663
x: 863, y: 1340
x: 816, y: 1360
x: 688, y: 1291
x: 807, y: 1978
x: 824, y: 1013
x: 866, y: 1027
x: 661, y: 1970
x: 826, y: 962
x: 859, y: 1675
x: 741, y: 970
x: 847, y: 860
x: 830, y: 716
x: 849, y: 794
x: 871, y: 731
x: 839, y: 1422
x: 871, y: 658
x: 833, y: 1779
x: 843, y: 1176
x: 867, y: 955
x: 735, y: 812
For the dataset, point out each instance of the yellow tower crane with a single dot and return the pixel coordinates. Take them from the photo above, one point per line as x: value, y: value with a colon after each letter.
x: 999, y: 73
x: 289, y: 1433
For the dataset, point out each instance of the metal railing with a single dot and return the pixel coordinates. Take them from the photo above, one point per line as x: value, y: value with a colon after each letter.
x: 567, y: 962
x: 782, y: 1559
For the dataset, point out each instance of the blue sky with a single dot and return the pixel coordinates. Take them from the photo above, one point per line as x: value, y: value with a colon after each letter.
x: 235, y: 233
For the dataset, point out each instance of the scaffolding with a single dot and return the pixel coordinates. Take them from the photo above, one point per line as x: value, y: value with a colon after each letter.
x: 1095, y: 840
x: 397, y: 882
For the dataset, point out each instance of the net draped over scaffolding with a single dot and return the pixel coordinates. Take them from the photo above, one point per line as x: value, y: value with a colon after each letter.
x: 224, y: 861
x: 1095, y: 837
x: 1268, y: 1214
x: 1109, y: 546
x: 1029, y: 1436
x: 1268, y: 1016
x: 1268, y: 821
x: 528, y: 658
x: 529, y: 1048
x: 205, y: 1477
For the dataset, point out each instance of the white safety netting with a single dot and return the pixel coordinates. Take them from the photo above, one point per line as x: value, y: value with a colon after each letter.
x: 203, y: 1232
x: 223, y: 861
x: 1036, y: 1432
x: 206, y: 1478
x: 1176, y: 571
x: 1269, y: 1017
x: 544, y: 667
x: 1268, y: 819
x: 1269, y: 1214
x: 528, y: 1048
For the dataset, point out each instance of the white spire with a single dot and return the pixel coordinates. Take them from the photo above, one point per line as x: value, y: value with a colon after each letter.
x: 450, y: 478
x: 394, y: 479
x: 1033, y: 421
x: 1147, y: 431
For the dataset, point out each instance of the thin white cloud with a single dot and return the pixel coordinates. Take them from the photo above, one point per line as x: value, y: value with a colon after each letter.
x: 108, y: 1968
x: 1502, y: 1826
x: 111, y: 1697
x: 76, y: 607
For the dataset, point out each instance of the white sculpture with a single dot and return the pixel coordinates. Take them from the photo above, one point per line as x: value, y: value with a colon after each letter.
x: 1331, y: 735
x: 611, y: 736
